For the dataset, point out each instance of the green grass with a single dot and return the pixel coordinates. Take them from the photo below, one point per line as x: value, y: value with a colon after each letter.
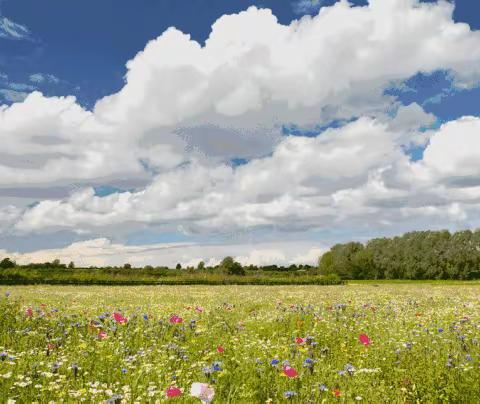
x: 412, y: 282
x: 409, y: 358
x: 119, y: 276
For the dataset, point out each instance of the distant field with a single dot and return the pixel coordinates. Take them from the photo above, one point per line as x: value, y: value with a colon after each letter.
x: 251, y: 344
x: 413, y: 282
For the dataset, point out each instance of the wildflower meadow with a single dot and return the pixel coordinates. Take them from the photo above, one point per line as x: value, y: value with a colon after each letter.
x: 240, y: 344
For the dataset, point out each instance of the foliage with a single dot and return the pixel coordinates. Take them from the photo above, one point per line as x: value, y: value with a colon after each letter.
x: 160, y: 275
x: 7, y: 263
x: 416, y: 255
x: 231, y: 267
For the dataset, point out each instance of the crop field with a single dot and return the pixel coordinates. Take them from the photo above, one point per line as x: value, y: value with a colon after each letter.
x: 240, y: 344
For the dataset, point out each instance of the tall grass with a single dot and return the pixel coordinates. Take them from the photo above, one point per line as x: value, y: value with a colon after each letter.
x: 116, y: 276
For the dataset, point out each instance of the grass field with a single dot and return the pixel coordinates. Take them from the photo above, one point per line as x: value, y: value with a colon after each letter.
x: 371, y: 343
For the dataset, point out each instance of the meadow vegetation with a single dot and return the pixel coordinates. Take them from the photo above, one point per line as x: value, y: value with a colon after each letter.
x: 243, y: 344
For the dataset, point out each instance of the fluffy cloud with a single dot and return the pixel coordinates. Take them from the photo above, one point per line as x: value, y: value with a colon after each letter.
x: 102, y: 252
x: 454, y: 152
x: 231, y: 97
x: 343, y: 57
x: 357, y: 173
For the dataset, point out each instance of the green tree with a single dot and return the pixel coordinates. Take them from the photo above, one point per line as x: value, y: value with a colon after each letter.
x: 7, y: 263
x: 231, y: 267
x: 201, y: 266
x: 71, y: 265
x: 179, y: 266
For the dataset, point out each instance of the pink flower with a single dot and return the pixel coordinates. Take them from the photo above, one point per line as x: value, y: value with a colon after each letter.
x: 199, y: 309
x: 29, y: 312
x: 173, y: 391
x: 176, y: 320
x: 299, y: 340
x: 363, y: 338
x: 220, y: 349
x: 119, y: 318
x: 289, y: 371
x: 202, y: 391
x: 102, y: 335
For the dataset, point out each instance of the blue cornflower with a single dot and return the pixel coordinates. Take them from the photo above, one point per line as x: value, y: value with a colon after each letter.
x: 207, y: 370
x: 274, y: 362
x: 469, y: 357
x: 145, y: 317
x: 440, y: 330
x: 322, y: 387
x: 308, y: 363
x: 217, y: 366
x: 289, y: 394
x: 350, y: 369
x: 124, y: 371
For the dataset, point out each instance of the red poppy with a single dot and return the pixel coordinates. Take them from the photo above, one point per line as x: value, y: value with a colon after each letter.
x: 337, y: 392
x: 51, y: 346
x: 119, y: 318
x: 176, y: 320
x: 289, y: 371
x: 29, y: 312
x: 299, y: 340
x: 220, y: 349
x: 173, y: 391
x: 363, y: 338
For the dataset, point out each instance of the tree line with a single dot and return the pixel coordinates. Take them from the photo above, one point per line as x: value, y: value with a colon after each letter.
x: 227, y: 266
x: 415, y: 255
x: 228, y: 271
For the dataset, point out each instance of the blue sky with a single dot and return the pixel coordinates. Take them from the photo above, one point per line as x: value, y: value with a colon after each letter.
x: 82, y: 48
x: 98, y: 37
